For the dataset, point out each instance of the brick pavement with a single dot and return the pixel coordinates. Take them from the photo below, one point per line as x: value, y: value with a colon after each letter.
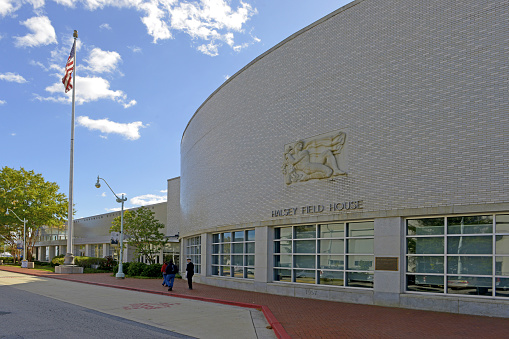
x: 309, y: 318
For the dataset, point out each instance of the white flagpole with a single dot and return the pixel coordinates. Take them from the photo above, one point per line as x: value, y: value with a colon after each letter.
x: 69, y: 257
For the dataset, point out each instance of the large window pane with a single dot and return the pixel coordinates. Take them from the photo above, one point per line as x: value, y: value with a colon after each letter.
x: 215, y: 260
x: 360, y: 246
x: 238, y: 248
x: 428, y: 226
x: 225, y: 260
x: 432, y: 245
x: 225, y: 271
x: 304, y: 232
x: 284, y: 246
x: 304, y: 261
x: 470, y: 224
x: 425, y: 283
x: 250, y: 235
x: 422, y: 264
x: 249, y: 273
x: 305, y: 246
x: 360, y: 262
x: 332, y: 246
x: 250, y: 247
x: 238, y: 236
x: 332, y: 230
x: 358, y: 279
x: 215, y: 237
x: 227, y: 237
x: 225, y: 248
x: 283, y: 261
x: 237, y: 260
x: 361, y: 229
x: 250, y: 260
x: 305, y: 277
x: 283, y: 233
x: 215, y: 270
x: 238, y: 272
x: 336, y: 262
x: 502, y: 223
x: 469, y: 245
x: 331, y: 278
x: 502, y: 266
x: 469, y: 285
x: 502, y: 287
x: 469, y: 265
x: 502, y: 244
x: 283, y: 275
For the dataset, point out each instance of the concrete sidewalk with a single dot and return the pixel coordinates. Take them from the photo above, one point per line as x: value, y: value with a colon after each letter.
x: 293, y: 317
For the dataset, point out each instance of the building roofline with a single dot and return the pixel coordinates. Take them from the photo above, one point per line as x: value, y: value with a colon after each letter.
x: 261, y: 56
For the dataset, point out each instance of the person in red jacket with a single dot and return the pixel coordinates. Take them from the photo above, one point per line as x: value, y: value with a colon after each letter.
x: 163, y: 269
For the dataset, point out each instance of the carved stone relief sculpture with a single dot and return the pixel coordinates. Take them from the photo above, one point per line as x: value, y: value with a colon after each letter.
x: 314, y: 158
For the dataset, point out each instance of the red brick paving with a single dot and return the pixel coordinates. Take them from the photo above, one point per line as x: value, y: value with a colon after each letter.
x: 309, y: 318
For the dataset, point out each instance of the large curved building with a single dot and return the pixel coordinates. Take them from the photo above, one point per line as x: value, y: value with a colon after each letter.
x: 364, y: 159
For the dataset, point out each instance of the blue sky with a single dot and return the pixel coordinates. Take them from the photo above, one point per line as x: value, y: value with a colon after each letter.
x: 143, y: 69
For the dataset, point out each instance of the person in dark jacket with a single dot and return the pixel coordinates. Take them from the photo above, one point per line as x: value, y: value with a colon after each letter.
x: 171, y: 270
x: 189, y: 273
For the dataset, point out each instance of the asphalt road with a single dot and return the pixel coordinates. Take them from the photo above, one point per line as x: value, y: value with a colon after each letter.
x: 38, y: 307
x: 29, y: 315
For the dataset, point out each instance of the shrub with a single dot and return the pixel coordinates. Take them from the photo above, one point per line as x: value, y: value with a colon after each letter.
x: 153, y: 270
x: 108, y: 264
x: 125, y: 267
x: 58, y: 260
x: 87, y: 262
x: 7, y: 259
x: 135, y: 268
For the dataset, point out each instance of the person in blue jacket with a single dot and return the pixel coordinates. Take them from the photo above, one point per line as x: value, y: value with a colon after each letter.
x: 171, y: 270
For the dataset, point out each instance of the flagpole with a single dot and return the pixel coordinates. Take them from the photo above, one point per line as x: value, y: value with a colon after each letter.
x: 69, y: 257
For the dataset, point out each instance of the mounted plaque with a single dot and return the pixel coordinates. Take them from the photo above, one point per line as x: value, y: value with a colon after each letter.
x: 386, y: 263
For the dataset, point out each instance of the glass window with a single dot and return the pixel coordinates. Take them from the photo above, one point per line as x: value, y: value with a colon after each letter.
x: 315, y: 254
x: 193, y: 251
x: 305, y: 246
x: 470, y: 245
x: 332, y: 230
x: 470, y: 224
x: 332, y: 246
x: 360, y: 245
x: 234, y: 261
x: 425, y: 264
x: 305, y: 232
x: 476, y: 255
x: 469, y: 265
x: 431, y: 245
x: 429, y: 226
x: 361, y: 229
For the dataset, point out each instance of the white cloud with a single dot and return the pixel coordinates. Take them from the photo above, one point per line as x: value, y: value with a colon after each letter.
x: 209, y: 49
x: 103, y: 194
x: 2, y: 102
x: 154, y: 22
x: 68, y: 3
x: 163, y: 191
x: 37, y: 4
x: 105, y: 26
x: 116, y: 209
x: 9, y: 6
x: 43, y: 33
x: 130, y: 130
x: 135, y: 49
x: 87, y: 89
x: 100, y: 61
x: 147, y: 199
x: 11, y: 77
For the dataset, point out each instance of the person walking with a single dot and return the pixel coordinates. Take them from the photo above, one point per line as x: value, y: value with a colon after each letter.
x: 171, y: 270
x: 163, y: 270
x: 189, y: 273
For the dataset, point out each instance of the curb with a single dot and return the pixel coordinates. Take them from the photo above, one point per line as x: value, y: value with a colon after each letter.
x: 271, y: 319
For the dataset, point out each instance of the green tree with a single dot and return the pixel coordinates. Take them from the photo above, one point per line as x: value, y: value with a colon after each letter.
x: 32, y: 198
x: 141, y: 230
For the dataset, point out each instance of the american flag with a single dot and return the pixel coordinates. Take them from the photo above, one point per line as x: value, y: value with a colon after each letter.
x: 69, y: 67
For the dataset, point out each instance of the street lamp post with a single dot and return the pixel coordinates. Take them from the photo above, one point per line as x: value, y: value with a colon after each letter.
x: 120, y: 273
x: 24, y: 236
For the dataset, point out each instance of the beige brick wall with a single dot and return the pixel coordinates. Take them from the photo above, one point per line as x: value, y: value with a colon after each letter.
x: 420, y: 86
